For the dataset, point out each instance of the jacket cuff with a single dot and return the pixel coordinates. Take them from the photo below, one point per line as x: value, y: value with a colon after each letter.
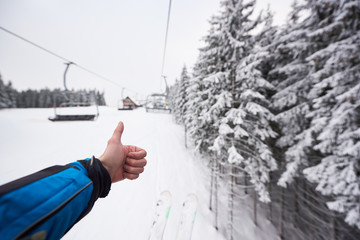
x: 101, y: 180
x: 99, y: 176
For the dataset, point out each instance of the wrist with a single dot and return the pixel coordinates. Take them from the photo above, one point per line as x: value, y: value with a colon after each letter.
x: 105, y: 165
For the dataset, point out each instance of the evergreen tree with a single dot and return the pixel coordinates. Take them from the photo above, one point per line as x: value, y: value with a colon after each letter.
x: 335, y: 96
x: 3, y: 95
x: 290, y: 103
x: 245, y: 130
x: 208, y: 76
x: 307, y: 75
x: 316, y: 74
x: 181, y: 96
x: 227, y: 42
x: 11, y: 93
x: 45, y: 99
x: 101, y: 98
x: 173, y: 92
x: 193, y: 109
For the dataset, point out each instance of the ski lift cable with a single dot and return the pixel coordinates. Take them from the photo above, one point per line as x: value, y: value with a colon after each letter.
x: 34, y: 44
x: 165, y: 43
x: 62, y: 58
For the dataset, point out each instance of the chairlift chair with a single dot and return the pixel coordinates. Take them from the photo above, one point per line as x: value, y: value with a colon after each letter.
x: 71, y: 110
x: 156, y: 102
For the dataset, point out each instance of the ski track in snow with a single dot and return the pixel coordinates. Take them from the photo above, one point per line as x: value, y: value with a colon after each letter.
x: 29, y: 142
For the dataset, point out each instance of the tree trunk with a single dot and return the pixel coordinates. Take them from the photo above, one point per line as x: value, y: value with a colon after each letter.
x: 296, y: 204
x: 216, y: 193
x: 270, y: 203
x: 245, y: 182
x: 212, y: 182
x: 282, y: 215
x: 255, y: 210
x: 231, y: 203
x: 333, y: 219
x: 185, y: 136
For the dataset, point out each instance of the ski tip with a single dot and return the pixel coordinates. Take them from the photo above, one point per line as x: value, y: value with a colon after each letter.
x: 192, y: 196
x: 165, y: 195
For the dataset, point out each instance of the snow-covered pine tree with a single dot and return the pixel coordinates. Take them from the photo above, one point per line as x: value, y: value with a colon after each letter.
x: 245, y: 130
x: 214, y: 100
x: 235, y: 32
x: 100, y: 96
x: 7, y: 95
x: 315, y: 69
x: 290, y: 103
x: 291, y: 106
x: 208, y: 61
x: 173, y: 90
x: 233, y: 42
x: 192, y: 108
x: 209, y: 79
x: 181, y: 97
x: 43, y: 93
x: 11, y: 92
x: 225, y: 44
x: 4, y: 98
x: 214, y: 73
x: 335, y: 96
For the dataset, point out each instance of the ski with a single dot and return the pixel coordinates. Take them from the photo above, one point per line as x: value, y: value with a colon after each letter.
x: 162, y: 211
x: 187, y: 219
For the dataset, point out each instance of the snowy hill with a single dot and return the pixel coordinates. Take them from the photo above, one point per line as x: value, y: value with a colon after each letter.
x: 29, y: 142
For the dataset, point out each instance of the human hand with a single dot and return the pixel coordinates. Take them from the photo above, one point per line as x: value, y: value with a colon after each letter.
x: 122, y: 161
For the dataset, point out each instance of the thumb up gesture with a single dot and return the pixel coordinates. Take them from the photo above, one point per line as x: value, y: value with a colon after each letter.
x: 122, y: 161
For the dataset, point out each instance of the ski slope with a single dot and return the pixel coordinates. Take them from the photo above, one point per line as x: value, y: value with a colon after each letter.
x: 29, y: 142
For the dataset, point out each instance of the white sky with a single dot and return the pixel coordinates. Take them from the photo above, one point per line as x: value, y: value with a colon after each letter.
x: 121, y: 40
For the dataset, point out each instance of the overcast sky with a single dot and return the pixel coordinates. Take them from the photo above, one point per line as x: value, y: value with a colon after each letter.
x: 121, y: 40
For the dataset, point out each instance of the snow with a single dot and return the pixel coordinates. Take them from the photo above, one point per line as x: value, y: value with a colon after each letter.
x: 234, y: 156
x: 29, y: 142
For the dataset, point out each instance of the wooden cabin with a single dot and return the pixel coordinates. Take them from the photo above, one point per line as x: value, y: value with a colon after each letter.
x: 128, y: 103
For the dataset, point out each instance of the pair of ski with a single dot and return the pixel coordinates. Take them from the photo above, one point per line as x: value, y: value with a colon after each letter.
x: 187, y: 219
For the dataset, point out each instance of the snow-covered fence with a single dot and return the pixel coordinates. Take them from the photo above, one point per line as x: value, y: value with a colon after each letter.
x: 297, y: 212
x: 300, y: 212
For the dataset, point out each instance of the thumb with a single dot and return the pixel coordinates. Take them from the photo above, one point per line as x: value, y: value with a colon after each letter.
x: 118, y: 131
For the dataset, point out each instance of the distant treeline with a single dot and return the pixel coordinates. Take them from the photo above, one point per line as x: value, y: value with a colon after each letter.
x: 44, y: 98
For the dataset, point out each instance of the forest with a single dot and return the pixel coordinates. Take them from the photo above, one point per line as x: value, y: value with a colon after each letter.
x: 44, y: 98
x: 275, y: 111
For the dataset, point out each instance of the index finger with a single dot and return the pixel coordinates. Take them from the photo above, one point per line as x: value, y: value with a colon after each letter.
x: 136, y: 162
x: 138, y: 154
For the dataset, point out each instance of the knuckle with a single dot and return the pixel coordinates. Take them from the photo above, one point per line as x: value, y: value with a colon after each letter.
x: 134, y: 176
x: 128, y: 168
x: 132, y: 161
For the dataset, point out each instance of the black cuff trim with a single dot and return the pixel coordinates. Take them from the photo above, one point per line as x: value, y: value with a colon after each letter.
x: 99, y: 176
x: 101, y: 183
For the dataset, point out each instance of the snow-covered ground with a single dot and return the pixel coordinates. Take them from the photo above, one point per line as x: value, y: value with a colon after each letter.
x: 29, y: 142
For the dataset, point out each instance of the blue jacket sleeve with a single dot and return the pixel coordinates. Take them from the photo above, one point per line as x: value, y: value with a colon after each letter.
x: 48, y: 203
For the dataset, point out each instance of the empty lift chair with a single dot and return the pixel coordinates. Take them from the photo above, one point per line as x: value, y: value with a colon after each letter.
x: 66, y: 109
